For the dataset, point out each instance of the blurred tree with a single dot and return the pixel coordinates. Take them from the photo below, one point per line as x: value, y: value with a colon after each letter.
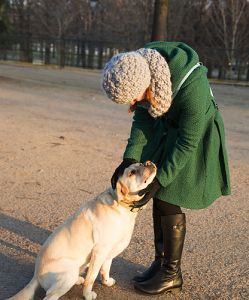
x: 185, y: 21
x: 124, y: 22
x: 159, y: 30
x: 227, y: 27
x: 75, y: 33
x: 4, y: 22
x: 4, y: 29
x: 20, y: 18
x: 57, y: 19
x: 176, y: 17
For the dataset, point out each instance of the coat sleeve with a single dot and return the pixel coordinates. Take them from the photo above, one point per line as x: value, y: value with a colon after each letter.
x: 191, y: 126
x: 140, y: 135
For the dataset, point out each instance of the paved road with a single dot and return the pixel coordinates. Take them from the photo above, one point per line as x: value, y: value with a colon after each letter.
x: 60, y: 141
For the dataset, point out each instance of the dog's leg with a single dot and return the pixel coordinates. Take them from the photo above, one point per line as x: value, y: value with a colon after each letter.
x: 58, y: 290
x: 97, y: 259
x: 51, y: 297
x: 62, y: 282
x: 105, y: 273
x: 55, y: 292
x: 80, y: 280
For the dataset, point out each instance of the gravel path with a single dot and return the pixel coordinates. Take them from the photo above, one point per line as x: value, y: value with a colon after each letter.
x: 61, y: 139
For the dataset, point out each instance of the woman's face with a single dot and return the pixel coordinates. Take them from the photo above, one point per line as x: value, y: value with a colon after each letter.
x: 137, y: 99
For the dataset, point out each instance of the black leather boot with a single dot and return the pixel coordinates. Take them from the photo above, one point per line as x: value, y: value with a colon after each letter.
x: 158, y: 242
x: 169, y: 277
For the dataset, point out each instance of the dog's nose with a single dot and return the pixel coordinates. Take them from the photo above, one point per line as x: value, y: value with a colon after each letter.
x: 150, y: 165
x: 147, y: 163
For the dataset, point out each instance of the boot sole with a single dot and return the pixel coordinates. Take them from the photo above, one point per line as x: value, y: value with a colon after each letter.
x: 173, y: 291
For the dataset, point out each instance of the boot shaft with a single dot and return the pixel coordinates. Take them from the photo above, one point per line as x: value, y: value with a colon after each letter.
x: 174, y: 230
x: 158, y: 233
x: 168, y: 278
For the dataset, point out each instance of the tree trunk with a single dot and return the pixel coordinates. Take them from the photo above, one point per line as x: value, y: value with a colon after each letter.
x: 112, y: 51
x: 72, y: 53
x: 41, y: 54
x: 100, y: 57
x: 78, y: 54
x: 26, y: 49
x: 61, y: 53
x: 240, y: 72
x: 159, y: 30
x: 47, y: 53
x: 83, y: 54
x: 3, y: 47
x: 210, y: 69
x: 91, y: 55
x: 221, y: 73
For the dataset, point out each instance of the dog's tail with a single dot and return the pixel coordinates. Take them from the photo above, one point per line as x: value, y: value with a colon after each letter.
x: 28, y: 292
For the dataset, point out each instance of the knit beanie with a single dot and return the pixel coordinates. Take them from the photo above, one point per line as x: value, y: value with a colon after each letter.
x: 129, y: 74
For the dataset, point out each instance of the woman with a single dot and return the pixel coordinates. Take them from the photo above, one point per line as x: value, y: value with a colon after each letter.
x: 178, y: 126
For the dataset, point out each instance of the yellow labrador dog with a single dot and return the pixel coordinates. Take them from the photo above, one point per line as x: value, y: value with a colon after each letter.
x: 99, y: 231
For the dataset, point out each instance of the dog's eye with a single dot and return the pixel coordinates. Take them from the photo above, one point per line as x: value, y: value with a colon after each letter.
x: 132, y: 172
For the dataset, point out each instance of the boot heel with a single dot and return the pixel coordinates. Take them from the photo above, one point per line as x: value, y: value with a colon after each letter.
x: 176, y: 290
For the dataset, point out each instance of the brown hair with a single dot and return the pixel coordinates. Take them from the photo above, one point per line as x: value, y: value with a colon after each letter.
x: 150, y: 98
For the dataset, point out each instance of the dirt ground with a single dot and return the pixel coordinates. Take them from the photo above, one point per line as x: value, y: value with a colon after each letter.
x: 60, y: 141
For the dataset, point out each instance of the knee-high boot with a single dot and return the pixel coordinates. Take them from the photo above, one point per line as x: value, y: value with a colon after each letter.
x: 169, y: 277
x: 158, y: 243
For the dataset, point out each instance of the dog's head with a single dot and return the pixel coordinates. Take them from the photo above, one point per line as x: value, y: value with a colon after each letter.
x: 135, y: 178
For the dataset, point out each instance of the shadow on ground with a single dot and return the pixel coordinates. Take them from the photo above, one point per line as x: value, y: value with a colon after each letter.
x: 23, y: 228
x: 17, y: 273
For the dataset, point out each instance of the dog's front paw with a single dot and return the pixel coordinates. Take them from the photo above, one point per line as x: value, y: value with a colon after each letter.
x: 80, y: 280
x: 91, y: 295
x: 109, y: 282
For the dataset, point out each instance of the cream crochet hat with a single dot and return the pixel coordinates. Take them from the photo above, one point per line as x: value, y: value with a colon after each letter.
x: 129, y: 74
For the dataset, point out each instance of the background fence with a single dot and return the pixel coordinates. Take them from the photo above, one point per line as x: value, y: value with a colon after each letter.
x: 90, y: 54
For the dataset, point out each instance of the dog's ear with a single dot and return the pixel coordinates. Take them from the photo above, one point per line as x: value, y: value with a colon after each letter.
x: 121, y: 190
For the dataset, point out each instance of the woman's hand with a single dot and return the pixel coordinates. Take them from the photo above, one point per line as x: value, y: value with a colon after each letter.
x: 120, y: 170
x: 149, y: 192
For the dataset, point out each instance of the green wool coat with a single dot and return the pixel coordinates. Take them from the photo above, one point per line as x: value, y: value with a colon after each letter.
x: 188, y: 142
